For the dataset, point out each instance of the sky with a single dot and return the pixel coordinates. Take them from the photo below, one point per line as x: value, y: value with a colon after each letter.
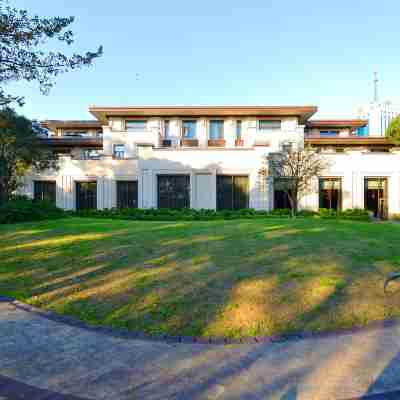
x: 220, y: 52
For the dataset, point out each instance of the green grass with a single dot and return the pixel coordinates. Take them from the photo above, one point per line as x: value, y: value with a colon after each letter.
x: 215, y: 278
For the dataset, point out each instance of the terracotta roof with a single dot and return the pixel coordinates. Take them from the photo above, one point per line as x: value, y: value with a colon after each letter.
x: 337, y: 123
x: 73, y: 124
x: 303, y: 112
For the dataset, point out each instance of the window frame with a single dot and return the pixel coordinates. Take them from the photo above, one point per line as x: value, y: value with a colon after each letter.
x: 321, y: 180
x: 214, y: 120
x: 115, y: 156
x: 127, y: 129
x: 126, y: 201
x: 270, y: 128
x: 190, y: 121
x: 43, y: 183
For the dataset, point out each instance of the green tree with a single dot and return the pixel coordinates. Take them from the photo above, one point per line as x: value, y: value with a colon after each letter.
x: 22, y: 50
x: 393, y: 130
x: 20, y: 151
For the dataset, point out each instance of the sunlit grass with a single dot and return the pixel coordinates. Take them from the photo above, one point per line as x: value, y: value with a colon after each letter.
x: 215, y: 278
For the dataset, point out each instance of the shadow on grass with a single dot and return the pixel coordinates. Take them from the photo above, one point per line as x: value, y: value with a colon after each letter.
x: 216, y: 278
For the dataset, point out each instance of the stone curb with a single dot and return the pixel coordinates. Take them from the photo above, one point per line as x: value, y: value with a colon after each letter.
x: 129, y: 334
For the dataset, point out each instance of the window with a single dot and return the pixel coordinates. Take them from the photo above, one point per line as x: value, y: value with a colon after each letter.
x: 91, y: 154
x: 135, y: 125
x: 166, y: 128
x: 281, y: 197
x: 76, y: 133
x: 173, y: 191
x: 45, y: 191
x: 232, y: 192
x: 216, y: 129
x: 119, y: 151
x: 238, y: 129
x: 269, y: 125
x: 379, y: 150
x: 330, y: 193
x: 127, y: 194
x: 86, y: 195
x: 329, y: 133
x: 189, y: 129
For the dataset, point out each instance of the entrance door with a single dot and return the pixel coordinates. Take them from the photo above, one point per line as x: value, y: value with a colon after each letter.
x: 86, y: 195
x: 375, y: 196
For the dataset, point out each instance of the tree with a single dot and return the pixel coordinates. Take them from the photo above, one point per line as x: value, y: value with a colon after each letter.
x: 293, y: 170
x: 20, y: 151
x: 393, y: 130
x: 22, y: 56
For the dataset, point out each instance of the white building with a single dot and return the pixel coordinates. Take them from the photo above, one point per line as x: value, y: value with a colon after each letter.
x: 210, y: 157
x: 379, y: 116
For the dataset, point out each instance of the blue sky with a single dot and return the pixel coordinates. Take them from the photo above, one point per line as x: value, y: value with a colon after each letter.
x: 223, y: 52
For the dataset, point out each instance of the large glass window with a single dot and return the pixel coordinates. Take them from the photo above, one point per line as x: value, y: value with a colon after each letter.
x: 127, y: 194
x: 45, y: 191
x: 134, y: 125
x: 269, y: 125
x: 330, y: 193
x: 86, y: 195
x: 119, y: 151
x: 216, y: 129
x: 189, y: 129
x: 173, y: 191
x: 232, y: 192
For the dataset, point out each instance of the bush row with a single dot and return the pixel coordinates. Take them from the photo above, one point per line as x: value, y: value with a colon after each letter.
x: 22, y: 209
x: 189, y: 214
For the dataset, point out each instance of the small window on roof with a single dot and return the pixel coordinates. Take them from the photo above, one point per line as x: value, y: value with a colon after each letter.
x: 269, y: 124
x: 134, y: 125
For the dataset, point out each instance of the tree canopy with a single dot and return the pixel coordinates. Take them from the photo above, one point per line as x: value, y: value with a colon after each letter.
x: 20, y: 151
x: 393, y: 130
x: 23, y: 55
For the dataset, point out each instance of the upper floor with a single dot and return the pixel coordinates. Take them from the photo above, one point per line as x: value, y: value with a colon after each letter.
x: 131, y: 132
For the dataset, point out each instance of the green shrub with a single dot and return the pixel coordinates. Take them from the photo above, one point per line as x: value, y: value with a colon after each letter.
x: 22, y: 209
x: 189, y: 214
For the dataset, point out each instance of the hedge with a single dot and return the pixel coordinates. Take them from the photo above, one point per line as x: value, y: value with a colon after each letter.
x: 22, y: 209
x: 188, y: 214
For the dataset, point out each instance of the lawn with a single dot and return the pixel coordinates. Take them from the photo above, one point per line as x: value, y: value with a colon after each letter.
x: 216, y: 278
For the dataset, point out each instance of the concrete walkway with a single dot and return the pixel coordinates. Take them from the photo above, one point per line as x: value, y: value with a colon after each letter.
x: 44, y: 359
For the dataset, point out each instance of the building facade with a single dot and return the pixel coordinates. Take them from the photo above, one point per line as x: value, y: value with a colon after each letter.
x: 211, y: 158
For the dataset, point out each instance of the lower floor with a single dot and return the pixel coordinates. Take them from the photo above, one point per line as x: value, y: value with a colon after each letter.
x: 211, y: 191
x: 216, y: 180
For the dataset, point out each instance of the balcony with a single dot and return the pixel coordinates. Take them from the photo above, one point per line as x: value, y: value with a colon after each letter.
x: 72, y: 141
x: 216, y: 142
x: 189, y: 142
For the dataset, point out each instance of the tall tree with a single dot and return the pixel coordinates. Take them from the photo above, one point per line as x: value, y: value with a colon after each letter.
x: 22, y: 50
x: 393, y: 130
x: 293, y: 170
x: 20, y: 150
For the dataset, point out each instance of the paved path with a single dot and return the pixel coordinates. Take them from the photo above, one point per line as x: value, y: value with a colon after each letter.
x: 44, y: 359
